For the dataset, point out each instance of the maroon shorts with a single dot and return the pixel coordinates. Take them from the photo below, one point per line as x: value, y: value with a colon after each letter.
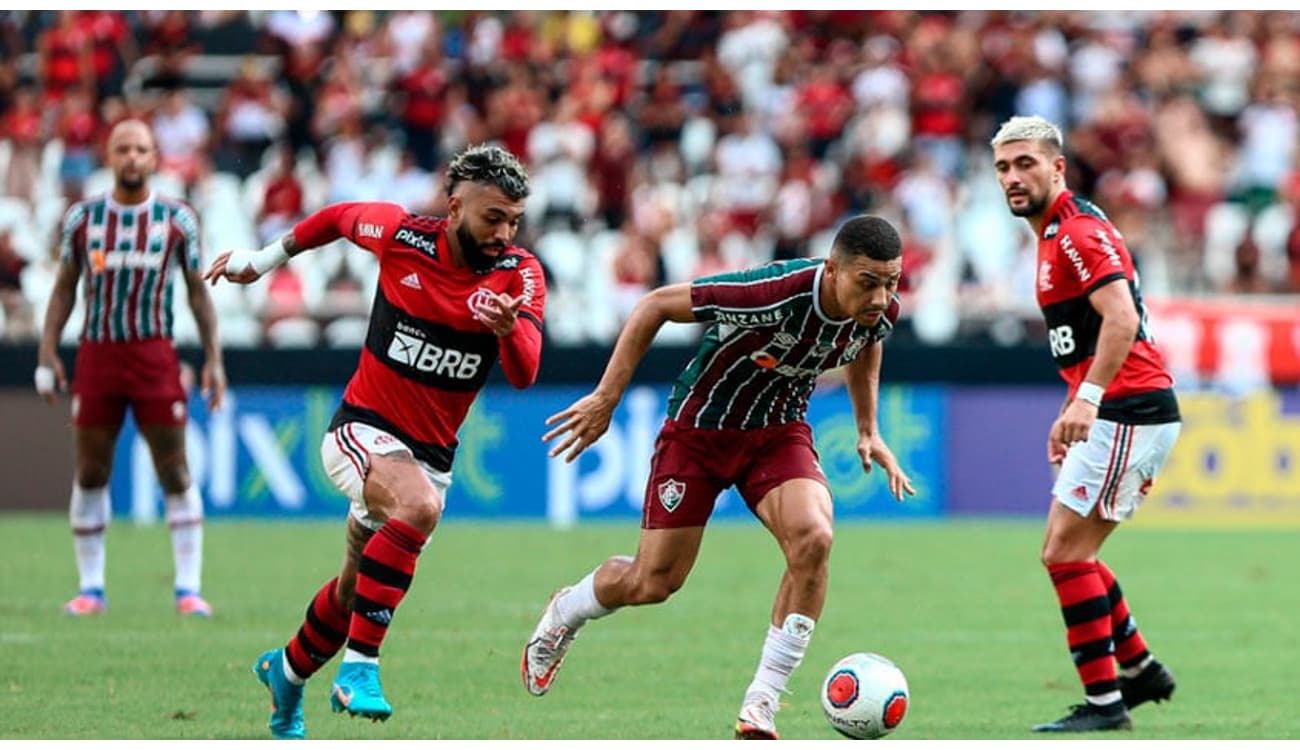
x: 691, y: 467
x: 109, y: 375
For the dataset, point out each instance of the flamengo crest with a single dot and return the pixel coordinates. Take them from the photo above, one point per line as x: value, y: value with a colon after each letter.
x: 671, y: 493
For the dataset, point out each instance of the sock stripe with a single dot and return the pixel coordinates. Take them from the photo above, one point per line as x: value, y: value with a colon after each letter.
x: 363, y: 648
x: 88, y: 531
x: 1092, y: 650
x: 321, y: 634
x: 404, y: 536
x: 1086, y: 610
x: 326, y: 630
x: 384, y: 574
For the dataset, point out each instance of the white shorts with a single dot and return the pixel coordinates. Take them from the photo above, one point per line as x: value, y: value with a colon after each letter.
x: 345, y: 453
x: 1114, y: 468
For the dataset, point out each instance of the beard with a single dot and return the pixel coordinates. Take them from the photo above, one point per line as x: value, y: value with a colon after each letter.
x: 472, y: 249
x: 1032, y: 207
x: 132, y: 182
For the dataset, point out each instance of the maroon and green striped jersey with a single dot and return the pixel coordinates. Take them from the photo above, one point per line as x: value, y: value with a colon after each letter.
x: 769, y: 341
x: 126, y: 255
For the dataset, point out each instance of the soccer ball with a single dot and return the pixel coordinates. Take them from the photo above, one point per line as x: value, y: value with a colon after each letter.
x: 865, y: 696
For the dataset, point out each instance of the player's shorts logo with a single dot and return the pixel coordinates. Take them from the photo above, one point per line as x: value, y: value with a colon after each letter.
x: 178, y: 411
x: 671, y: 493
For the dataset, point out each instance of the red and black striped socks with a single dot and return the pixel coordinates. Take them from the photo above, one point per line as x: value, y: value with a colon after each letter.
x: 1130, y: 648
x: 322, y: 634
x: 1089, y: 632
x: 387, y: 564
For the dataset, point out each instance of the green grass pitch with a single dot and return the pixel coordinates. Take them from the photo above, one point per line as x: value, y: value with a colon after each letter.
x: 963, y: 607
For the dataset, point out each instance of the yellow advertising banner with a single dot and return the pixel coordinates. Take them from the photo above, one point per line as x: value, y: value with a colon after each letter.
x: 1235, y: 464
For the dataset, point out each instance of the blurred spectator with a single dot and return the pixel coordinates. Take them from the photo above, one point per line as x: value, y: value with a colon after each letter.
x: 181, y: 131
x: 1270, y: 129
x: 825, y: 105
x: 558, y: 153
x: 168, y: 36
x: 413, y: 186
x: 64, y: 60
x: 515, y: 108
x: 345, y: 163
x: 282, y: 198
x: 1246, y: 278
x: 25, y: 130
x: 749, y: 165
x: 78, y: 128
x: 113, y: 48
x: 251, y: 117
x: 611, y: 169
x: 420, y: 102
x: 409, y: 34
x: 295, y: 28
x: 638, y: 268
x: 18, y: 324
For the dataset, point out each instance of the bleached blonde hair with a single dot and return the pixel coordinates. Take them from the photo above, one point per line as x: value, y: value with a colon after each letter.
x: 1035, y: 128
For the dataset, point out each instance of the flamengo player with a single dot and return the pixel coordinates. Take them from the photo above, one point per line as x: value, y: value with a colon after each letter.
x: 1116, y: 428
x: 736, y: 417
x: 454, y: 295
x: 126, y: 243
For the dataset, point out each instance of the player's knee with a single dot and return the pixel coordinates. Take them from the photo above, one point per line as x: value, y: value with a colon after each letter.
x: 810, y: 549
x: 1058, y: 549
x: 422, y: 510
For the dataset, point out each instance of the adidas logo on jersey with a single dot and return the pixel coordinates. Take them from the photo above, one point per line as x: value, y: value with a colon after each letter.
x: 412, y: 280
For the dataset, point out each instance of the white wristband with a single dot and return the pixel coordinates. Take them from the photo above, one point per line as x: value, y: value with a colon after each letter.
x: 1090, y: 393
x: 44, y: 380
x: 261, y: 261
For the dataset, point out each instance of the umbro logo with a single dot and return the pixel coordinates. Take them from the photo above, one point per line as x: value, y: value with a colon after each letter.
x: 412, y: 280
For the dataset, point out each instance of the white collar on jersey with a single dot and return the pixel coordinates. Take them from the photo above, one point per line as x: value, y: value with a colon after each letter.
x: 115, y: 206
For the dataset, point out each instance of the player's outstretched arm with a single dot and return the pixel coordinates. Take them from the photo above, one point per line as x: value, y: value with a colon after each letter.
x: 321, y: 228
x: 49, y: 369
x: 863, y: 378
x: 588, y: 418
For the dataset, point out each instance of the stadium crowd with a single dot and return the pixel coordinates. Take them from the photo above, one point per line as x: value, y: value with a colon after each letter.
x: 665, y: 144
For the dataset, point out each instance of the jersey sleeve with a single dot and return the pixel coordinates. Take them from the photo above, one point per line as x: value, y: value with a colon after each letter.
x: 187, y: 228
x: 73, y: 218
x: 1092, y: 252
x: 531, y: 284
x: 753, y: 298
x: 368, y: 225
x: 521, y: 351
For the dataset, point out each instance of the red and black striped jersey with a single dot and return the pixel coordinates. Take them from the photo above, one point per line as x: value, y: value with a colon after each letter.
x: 1080, y: 251
x: 126, y: 254
x: 426, y: 357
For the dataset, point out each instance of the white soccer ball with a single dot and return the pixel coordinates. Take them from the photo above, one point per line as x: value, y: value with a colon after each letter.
x: 865, y: 696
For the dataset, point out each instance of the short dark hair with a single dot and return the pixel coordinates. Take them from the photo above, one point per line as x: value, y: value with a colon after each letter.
x: 490, y: 165
x: 868, y: 236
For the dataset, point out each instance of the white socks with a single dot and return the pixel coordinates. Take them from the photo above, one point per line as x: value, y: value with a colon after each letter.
x: 350, y: 656
x: 185, y: 518
x: 782, y: 652
x: 289, y: 674
x: 579, y: 604
x: 88, y: 513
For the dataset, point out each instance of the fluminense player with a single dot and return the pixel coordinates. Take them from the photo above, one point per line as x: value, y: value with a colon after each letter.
x: 737, y: 417
x: 126, y: 244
